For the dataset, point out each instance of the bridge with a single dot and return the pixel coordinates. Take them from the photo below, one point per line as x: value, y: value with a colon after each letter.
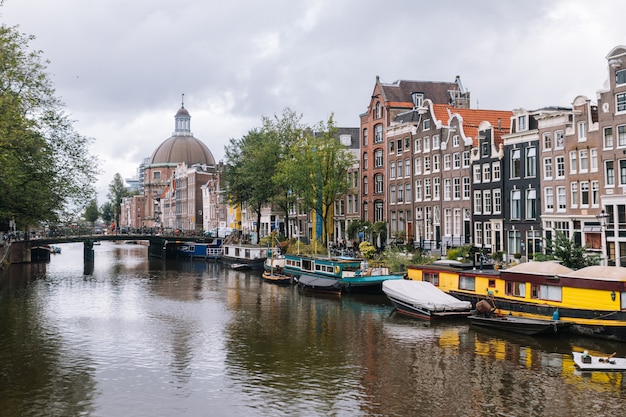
x: 160, y: 246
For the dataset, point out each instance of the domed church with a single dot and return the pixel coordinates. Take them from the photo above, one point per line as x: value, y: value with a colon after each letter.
x: 174, y: 173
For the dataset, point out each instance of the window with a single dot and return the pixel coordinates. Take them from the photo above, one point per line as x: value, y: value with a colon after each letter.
x: 547, y: 141
x: 560, y: 167
x: 547, y: 168
x: 497, y: 201
x: 456, y: 188
x: 417, y: 144
x: 496, y: 171
x: 478, y: 201
x: 455, y: 141
x: 399, y: 147
x: 531, y: 162
x: 378, y: 110
x: 621, y: 135
x: 400, y: 194
x: 545, y: 292
x: 466, y: 159
x: 595, y: 196
x: 428, y: 192
x: 365, y: 137
x: 378, y: 158
x: 516, y: 204
x: 594, y: 159
x: 418, y: 165
x: 407, y: 143
x: 407, y: 191
x: 466, y: 188
x: 378, y: 133
x: 365, y: 185
x: 620, y: 102
x: 432, y: 277
x: 561, y: 199
x: 392, y: 170
x: 436, y: 142
x: 572, y: 162
x: 522, y: 123
x: 392, y: 194
x: 378, y: 211
x: 436, y: 188
x: 447, y: 162
x: 392, y: 145
x: 584, y: 194
x: 447, y: 189
x: 436, y: 163
x: 467, y: 283
x: 549, y: 198
x: 622, y: 172
x: 558, y: 139
x: 365, y: 160
x: 427, y: 164
x: 486, y: 172
x: 582, y: 131
x: 517, y: 289
x: 426, y: 144
x: 531, y: 204
x: 378, y: 184
x: 620, y: 77
x: 487, y: 206
x: 574, y: 194
x: 407, y: 168
x: 609, y: 173
x: 478, y: 234
x: 608, y: 137
x: 426, y: 125
x: 515, y: 163
x: 156, y: 175
x: 476, y: 173
x: 584, y: 160
x: 418, y: 190
x: 456, y: 164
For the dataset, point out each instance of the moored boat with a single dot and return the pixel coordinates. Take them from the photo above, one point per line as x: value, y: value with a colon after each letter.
x: 522, y: 325
x: 208, y: 250
x: 319, y: 284
x: 253, y: 256
x: 276, y: 277
x: 350, y: 274
x: 423, y: 300
x: 609, y: 363
x: 592, y: 299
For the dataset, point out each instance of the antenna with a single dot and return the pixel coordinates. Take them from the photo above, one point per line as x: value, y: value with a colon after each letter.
x: 183, y: 101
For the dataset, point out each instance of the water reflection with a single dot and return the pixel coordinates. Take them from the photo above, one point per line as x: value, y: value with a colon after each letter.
x: 194, y: 338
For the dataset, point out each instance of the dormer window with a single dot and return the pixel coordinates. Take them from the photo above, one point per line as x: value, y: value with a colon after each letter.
x: 522, y: 124
x: 418, y: 99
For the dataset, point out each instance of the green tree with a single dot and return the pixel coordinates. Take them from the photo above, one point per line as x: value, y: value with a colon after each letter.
x: 92, y: 213
x: 317, y: 168
x: 569, y: 253
x: 46, y: 169
x: 117, y: 191
x: 106, y: 212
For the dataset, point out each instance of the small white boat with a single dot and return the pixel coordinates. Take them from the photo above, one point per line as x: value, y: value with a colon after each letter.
x: 586, y: 362
x: 423, y: 300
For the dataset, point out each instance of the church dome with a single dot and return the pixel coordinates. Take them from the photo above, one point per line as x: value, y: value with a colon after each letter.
x: 182, y: 146
x: 185, y: 149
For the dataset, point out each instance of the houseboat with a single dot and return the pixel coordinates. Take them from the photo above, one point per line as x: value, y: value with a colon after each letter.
x: 351, y: 274
x: 253, y: 256
x: 207, y: 250
x: 592, y: 299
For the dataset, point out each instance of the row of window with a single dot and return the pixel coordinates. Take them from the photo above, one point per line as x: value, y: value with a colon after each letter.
x: 425, y: 189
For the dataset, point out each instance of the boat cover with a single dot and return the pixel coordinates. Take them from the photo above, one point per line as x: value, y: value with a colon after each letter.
x: 313, y: 281
x: 423, y: 294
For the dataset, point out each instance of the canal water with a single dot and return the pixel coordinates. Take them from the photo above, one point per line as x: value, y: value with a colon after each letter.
x: 132, y: 336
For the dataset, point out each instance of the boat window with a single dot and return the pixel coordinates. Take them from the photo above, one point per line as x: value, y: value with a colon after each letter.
x: 432, y: 277
x: 517, y: 289
x: 546, y: 292
x: 492, y: 283
x: 467, y: 283
x: 623, y: 300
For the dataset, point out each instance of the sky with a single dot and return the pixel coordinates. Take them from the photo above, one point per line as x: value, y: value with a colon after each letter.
x: 122, y: 66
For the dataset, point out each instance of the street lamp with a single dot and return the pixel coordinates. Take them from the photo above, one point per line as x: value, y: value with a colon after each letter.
x: 602, y: 218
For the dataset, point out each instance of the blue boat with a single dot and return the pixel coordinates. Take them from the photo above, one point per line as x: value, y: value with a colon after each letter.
x: 207, y: 250
x: 350, y: 274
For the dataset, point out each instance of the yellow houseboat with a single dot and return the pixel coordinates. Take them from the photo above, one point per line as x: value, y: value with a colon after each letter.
x: 593, y: 299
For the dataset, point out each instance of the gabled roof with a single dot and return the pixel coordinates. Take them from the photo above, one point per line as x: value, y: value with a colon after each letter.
x: 399, y: 92
x: 499, y: 119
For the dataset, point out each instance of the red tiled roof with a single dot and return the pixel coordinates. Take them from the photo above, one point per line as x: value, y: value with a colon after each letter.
x: 473, y: 117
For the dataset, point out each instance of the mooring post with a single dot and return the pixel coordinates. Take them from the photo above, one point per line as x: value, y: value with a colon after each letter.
x: 88, y: 254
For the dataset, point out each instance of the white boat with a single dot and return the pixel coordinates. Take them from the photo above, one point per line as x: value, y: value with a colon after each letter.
x: 586, y: 362
x: 423, y: 300
x: 253, y: 256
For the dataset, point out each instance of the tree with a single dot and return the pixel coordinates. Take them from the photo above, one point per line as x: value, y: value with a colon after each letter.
x: 106, y: 212
x: 45, y: 166
x: 117, y: 192
x: 92, y: 213
x: 569, y: 253
x: 251, y: 164
x: 317, y: 169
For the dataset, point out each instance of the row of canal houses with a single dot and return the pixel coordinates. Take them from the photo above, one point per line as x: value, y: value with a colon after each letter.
x: 441, y: 174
